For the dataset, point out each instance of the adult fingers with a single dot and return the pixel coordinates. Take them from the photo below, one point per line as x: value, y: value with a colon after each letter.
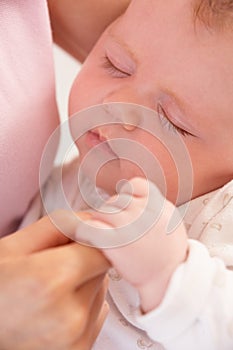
x: 69, y: 266
x: 42, y: 234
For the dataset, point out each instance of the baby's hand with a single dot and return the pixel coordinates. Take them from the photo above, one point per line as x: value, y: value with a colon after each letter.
x: 151, y: 255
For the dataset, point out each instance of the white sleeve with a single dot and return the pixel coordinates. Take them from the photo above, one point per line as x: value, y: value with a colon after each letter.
x: 197, y: 310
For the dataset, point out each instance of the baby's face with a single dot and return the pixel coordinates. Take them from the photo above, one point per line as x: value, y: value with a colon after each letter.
x: 155, y: 56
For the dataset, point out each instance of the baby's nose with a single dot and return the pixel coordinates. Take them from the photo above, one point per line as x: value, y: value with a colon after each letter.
x: 131, y: 115
x: 127, y: 114
x: 128, y: 104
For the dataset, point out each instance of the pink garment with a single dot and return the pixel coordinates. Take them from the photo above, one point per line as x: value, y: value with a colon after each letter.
x: 28, y: 111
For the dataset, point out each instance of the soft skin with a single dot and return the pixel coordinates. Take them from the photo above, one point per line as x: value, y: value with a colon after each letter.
x: 149, y: 262
x: 158, y: 56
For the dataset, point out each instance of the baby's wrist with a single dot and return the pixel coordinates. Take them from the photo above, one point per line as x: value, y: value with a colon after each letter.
x: 152, y: 293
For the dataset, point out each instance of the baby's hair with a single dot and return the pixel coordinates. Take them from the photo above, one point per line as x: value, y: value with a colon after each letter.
x: 215, y: 12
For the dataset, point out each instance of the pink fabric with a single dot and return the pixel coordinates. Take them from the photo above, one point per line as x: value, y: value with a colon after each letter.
x: 28, y: 112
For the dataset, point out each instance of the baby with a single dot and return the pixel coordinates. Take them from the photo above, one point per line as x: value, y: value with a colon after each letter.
x: 175, y: 58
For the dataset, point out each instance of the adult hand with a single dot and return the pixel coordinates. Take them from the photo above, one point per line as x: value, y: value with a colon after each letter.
x: 52, y: 291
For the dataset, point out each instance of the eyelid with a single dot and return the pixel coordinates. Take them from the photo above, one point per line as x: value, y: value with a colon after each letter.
x: 120, y: 61
x: 178, y: 116
x: 178, y: 127
x: 114, y: 71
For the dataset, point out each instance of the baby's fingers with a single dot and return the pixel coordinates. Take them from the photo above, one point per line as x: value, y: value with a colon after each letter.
x: 125, y: 217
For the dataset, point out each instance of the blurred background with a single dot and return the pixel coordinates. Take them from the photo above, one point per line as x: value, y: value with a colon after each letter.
x: 66, y: 69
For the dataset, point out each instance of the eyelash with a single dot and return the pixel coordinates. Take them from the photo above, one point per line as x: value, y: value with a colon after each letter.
x: 112, y: 69
x: 167, y: 123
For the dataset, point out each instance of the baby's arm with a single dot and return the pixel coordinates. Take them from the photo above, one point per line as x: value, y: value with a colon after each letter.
x: 185, y: 294
x: 149, y: 262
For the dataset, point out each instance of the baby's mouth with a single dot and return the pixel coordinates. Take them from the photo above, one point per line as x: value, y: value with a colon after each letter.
x: 94, y: 138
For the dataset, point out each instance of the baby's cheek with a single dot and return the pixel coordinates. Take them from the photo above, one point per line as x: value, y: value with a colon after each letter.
x: 79, y: 96
x: 75, y: 105
x: 130, y: 170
